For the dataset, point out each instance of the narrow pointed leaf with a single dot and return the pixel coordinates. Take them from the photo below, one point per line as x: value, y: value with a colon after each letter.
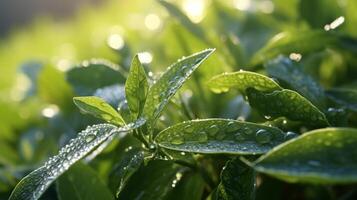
x: 36, y: 183
x: 287, y: 103
x: 242, y: 80
x: 122, y: 172
x: 290, y: 73
x: 82, y: 182
x: 217, y: 136
x: 170, y: 82
x: 326, y: 156
x: 98, y: 108
x: 344, y: 97
x: 136, y: 87
x: 237, y: 182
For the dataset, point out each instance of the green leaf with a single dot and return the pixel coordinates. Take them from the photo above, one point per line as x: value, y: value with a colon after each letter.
x: 94, y: 74
x: 184, y: 20
x: 170, y: 82
x: 36, y: 183
x: 99, y: 109
x: 53, y: 88
x: 287, y: 103
x: 136, y: 87
x: 290, y: 73
x: 289, y: 42
x: 326, y: 156
x: 153, y: 181
x: 217, y: 136
x: 82, y: 182
x: 345, y: 97
x: 191, y: 187
x: 237, y: 182
x: 122, y: 172
x: 242, y: 80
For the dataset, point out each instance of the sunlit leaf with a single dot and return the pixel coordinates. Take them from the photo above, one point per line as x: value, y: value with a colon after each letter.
x: 327, y: 156
x: 36, y: 183
x: 82, y: 182
x: 98, y: 108
x: 237, y: 182
x: 217, y: 136
x: 136, y: 87
x: 167, y: 85
x: 242, y: 80
x: 291, y: 74
x: 287, y: 103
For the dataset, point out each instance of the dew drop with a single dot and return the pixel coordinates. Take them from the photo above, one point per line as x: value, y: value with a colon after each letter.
x: 189, y: 129
x: 202, y: 137
x: 239, y: 137
x: 89, y: 137
x: 263, y: 136
x: 267, y: 117
x: 213, y: 130
x: 290, y: 135
x: 220, y: 136
x: 177, y: 140
x: 232, y: 126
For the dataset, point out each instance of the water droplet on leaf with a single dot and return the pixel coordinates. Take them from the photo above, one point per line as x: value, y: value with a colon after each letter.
x: 263, y: 136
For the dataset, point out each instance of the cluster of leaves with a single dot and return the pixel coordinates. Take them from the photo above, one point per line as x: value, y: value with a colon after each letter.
x: 285, y: 130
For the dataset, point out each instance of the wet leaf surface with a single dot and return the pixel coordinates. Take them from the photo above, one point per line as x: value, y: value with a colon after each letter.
x: 220, y: 136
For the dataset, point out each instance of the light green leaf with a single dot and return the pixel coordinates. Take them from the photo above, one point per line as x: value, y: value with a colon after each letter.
x: 36, y: 183
x: 291, y: 74
x: 99, y: 109
x: 326, y: 156
x: 242, y: 80
x: 290, y: 42
x: 136, y: 87
x: 82, y: 182
x: 167, y: 85
x: 237, y: 182
x: 287, y: 103
x: 345, y: 97
x: 122, y: 172
x: 217, y: 136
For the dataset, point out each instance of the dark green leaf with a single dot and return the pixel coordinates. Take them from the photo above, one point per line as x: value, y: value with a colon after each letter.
x: 122, y: 172
x: 98, y: 108
x: 153, y: 181
x: 327, y: 156
x: 287, y: 103
x: 237, y: 182
x: 167, y: 85
x: 217, y: 136
x: 94, y: 74
x: 242, y: 80
x: 36, y: 183
x: 136, y: 87
x: 344, y: 97
x: 82, y: 182
x: 191, y: 187
x: 290, y: 73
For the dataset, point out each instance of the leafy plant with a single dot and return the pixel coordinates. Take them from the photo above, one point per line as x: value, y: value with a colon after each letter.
x: 265, y: 116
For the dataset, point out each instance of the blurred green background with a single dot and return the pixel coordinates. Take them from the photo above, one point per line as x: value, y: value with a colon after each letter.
x: 42, y: 40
